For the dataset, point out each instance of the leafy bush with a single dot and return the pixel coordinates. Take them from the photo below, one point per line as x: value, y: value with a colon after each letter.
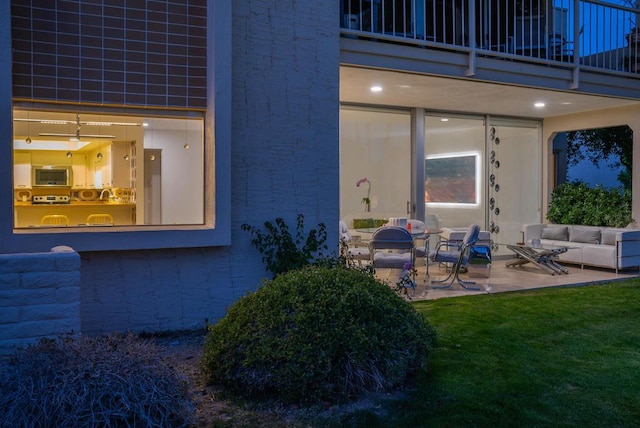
x: 318, y: 334
x: 577, y: 203
x: 108, y: 381
x: 280, y: 251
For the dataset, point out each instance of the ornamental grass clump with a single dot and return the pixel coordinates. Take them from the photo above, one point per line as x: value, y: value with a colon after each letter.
x: 113, y: 381
x: 318, y: 334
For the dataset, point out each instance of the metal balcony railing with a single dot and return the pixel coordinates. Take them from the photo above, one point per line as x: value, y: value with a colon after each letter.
x: 572, y: 33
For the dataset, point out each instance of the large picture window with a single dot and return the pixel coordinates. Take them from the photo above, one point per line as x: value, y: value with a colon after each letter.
x: 82, y: 169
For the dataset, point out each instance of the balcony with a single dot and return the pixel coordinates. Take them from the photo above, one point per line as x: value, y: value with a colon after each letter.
x: 594, y: 36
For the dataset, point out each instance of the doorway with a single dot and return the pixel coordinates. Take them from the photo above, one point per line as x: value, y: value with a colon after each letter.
x: 152, y: 186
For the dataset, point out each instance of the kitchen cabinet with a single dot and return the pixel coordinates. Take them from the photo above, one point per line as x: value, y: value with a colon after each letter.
x: 21, y: 170
x: 79, y: 166
x: 114, y: 165
x: 120, y: 164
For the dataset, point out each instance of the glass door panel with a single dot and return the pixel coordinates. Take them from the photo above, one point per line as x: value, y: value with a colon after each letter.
x: 515, y: 179
x: 375, y: 144
x: 454, y: 171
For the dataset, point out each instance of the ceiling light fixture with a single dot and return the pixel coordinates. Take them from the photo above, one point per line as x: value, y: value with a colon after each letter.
x: 71, y: 122
x: 539, y: 105
x: 56, y: 134
x: 376, y: 89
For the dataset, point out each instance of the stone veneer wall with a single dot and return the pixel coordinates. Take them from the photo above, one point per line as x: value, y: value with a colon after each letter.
x: 39, y: 297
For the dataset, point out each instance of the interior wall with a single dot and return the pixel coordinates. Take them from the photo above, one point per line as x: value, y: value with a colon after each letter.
x: 182, y: 174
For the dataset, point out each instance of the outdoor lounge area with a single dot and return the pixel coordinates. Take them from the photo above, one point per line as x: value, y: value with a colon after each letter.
x: 503, y: 279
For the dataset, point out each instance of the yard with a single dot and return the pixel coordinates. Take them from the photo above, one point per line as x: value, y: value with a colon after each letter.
x: 549, y: 357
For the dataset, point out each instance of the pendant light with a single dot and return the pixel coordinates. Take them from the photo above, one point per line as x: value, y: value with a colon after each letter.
x: 28, y: 139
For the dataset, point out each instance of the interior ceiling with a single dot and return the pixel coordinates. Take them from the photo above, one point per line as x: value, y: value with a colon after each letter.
x: 464, y: 96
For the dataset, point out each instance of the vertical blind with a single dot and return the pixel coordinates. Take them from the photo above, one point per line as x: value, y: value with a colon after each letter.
x: 110, y: 52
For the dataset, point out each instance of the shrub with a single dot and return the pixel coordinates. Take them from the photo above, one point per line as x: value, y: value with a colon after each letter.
x: 108, y: 381
x: 282, y: 252
x: 577, y: 203
x: 318, y: 334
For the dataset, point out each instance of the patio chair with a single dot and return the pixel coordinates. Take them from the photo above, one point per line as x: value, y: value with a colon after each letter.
x: 560, y: 49
x: 456, y: 254
x: 350, y: 248
x: 392, y: 247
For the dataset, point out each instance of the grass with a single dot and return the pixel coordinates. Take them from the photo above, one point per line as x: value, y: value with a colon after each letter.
x: 550, y: 357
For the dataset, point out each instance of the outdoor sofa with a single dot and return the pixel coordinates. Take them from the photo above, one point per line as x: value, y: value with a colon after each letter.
x: 608, y: 247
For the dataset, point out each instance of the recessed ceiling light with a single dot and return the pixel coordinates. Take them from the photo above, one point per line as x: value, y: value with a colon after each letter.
x: 444, y: 119
x: 539, y: 105
x: 566, y: 103
x: 376, y: 89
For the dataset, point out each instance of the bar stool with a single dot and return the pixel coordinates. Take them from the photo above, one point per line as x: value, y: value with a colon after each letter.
x: 99, y: 219
x: 55, y: 220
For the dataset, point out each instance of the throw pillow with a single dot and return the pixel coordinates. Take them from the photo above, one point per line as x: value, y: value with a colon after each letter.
x: 609, y: 237
x: 556, y: 233
x: 588, y: 235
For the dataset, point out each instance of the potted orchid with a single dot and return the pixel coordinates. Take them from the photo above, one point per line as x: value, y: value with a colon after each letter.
x: 367, y: 199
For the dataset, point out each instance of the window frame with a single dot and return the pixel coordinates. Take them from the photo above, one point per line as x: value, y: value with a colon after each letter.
x: 216, y: 230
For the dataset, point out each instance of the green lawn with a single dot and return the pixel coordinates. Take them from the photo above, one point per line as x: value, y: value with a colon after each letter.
x: 549, y: 357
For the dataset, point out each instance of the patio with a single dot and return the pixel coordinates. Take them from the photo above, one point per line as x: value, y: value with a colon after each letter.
x: 503, y: 279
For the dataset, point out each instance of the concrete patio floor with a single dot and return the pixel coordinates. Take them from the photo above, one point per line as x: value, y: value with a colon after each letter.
x: 503, y: 279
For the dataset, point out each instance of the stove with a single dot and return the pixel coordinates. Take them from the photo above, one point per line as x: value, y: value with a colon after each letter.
x: 51, y: 199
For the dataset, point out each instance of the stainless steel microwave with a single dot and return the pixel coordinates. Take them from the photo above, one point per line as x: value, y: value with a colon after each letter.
x: 51, y: 176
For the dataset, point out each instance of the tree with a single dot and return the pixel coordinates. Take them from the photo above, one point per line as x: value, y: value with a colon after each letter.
x: 613, y: 144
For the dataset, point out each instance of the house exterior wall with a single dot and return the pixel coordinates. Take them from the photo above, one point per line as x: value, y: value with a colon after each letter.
x: 282, y: 102
x: 39, y: 297
x: 284, y: 161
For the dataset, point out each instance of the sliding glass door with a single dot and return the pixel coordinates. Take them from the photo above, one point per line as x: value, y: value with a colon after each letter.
x: 515, y: 178
x: 490, y: 175
x: 454, y: 170
x: 473, y: 169
x: 375, y: 163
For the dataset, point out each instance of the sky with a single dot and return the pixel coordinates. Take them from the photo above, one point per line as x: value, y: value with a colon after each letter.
x: 602, y: 174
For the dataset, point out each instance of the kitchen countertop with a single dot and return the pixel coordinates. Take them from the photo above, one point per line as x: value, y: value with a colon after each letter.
x: 78, y: 204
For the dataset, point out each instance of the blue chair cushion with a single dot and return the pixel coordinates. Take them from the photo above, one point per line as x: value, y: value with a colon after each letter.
x: 448, y: 257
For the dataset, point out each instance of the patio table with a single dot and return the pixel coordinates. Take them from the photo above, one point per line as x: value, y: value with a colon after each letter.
x: 422, y: 234
x: 542, y: 256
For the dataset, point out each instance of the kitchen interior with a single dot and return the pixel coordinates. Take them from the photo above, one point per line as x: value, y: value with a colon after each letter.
x: 82, y: 169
